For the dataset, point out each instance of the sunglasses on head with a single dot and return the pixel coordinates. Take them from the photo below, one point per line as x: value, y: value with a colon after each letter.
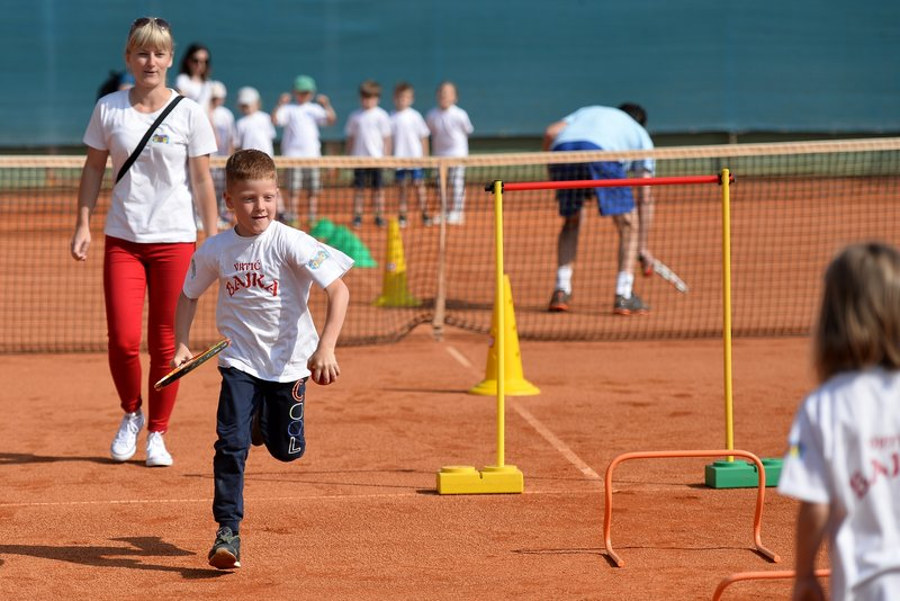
x: 143, y: 21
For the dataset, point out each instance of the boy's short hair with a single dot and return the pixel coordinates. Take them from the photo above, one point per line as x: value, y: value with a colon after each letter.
x: 635, y: 111
x: 369, y: 88
x: 403, y: 86
x: 249, y: 164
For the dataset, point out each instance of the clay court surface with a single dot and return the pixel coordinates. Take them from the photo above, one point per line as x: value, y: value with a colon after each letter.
x: 359, y: 518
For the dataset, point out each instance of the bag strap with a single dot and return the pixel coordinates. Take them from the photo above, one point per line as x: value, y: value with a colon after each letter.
x: 134, y: 155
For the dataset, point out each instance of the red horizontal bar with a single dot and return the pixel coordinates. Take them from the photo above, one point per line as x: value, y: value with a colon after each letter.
x: 611, y: 183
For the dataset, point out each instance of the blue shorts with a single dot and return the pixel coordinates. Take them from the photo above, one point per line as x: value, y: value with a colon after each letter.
x: 367, y: 178
x: 416, y: 175
x: 610, y: 201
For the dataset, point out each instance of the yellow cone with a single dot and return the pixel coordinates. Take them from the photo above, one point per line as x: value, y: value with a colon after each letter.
x: 394, y: 292
x: 515, y: 382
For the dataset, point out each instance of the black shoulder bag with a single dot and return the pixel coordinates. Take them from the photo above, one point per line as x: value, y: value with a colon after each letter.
x: 146, y: 138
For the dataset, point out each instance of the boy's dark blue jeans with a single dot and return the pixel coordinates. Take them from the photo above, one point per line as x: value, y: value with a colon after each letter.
x: 280, y: 406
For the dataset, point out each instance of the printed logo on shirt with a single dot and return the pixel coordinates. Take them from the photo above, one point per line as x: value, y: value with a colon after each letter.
x: 319, y: 258
x: 250, y: 278
x: 160, y: 139
x: 884, y: 467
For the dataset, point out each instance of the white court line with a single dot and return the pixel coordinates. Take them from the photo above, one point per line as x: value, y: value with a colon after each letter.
x: 539, y: 427
x: 332, y: 497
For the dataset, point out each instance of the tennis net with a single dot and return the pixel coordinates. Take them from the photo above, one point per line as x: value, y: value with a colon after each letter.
x: 792, y: 207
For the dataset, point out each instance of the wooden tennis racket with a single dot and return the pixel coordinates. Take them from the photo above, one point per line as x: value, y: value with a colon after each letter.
x: 192, y: 364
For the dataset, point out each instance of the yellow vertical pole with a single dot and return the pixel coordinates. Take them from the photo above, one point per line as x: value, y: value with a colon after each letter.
x: 500, y: 342
x: 726, y: 309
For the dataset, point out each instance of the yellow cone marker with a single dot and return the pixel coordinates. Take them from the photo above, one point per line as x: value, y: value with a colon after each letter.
x: 394, y: 291
x: 516, y: 384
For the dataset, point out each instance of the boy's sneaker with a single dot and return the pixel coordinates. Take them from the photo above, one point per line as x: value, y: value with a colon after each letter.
x: 451, y: 218
x: 379, y: 221
x: 426, y: 219
x: 630, y: 306
x: 124, y: 445
x: 559, y: 302
x: 401, y: 220
x: 357, y: 221
x: 226, y: 551
x: 157, y: 454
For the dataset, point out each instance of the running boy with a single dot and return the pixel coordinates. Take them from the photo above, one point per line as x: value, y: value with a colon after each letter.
x: 450, y: 130
x: 368, y: 132
x: 410, y: 137
x: 845, y: 440
x: 264, y: 269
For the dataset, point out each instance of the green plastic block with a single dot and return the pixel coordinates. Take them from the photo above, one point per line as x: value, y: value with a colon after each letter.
x: 741, y: 474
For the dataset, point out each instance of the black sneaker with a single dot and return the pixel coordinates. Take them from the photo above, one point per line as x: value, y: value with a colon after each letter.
x: 226, y: 551
x: 379, y: 221
x: 357, y: 221
x: 401, y: 221
x: 630, y: 306
x: 426, y: 219
x: 256, y: 435
x: 559, y: 302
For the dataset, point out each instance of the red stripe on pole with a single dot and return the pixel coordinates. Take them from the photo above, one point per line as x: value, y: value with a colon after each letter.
x: 613, y: 183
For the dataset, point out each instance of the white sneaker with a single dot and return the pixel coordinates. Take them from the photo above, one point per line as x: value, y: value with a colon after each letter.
x: 157, y: 455
x: 124, y: 444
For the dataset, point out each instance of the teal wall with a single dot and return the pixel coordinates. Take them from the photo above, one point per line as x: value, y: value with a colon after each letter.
x: 697, y: 65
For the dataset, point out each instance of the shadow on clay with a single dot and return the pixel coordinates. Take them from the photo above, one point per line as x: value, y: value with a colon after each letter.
x: 130, y: 556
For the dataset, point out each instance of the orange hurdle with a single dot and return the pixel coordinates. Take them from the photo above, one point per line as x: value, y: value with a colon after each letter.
x: 784, y: 574
x: 760, y: 495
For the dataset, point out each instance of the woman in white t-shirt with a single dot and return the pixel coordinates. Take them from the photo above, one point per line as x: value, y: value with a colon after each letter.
x: 844, y: 458
x: 150, y: 231
x: 193, y: 80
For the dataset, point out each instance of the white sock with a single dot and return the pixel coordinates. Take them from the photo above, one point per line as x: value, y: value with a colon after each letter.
x: 624, y: 283
x: 564, y: 279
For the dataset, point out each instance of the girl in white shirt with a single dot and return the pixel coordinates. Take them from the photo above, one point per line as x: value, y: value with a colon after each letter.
x: 844, y: 458
x: 150, y: 229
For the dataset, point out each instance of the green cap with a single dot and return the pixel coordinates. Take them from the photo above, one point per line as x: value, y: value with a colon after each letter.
x: 304, y: 83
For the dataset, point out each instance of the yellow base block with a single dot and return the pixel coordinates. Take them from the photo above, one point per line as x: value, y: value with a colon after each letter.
x: 466, y: 480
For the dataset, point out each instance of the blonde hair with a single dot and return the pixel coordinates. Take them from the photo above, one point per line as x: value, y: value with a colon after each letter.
x: 249, y: 164
x: 152, y: 33
x: 859, y: 320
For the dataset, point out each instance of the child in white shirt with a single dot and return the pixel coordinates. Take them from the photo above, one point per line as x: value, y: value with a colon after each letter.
x: 450, y: 130
x: 264, y: 270
x: 368, y: 132
x: 254, y: 129
x: 301, y: 121
x: 410, y: 138
x: 844, y: 458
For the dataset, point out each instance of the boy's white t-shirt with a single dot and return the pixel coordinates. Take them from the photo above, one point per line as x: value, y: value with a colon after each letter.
x: 845, y: 452
x: 255, y: 131
x: 450, y: 130
x: 301, y: 123
x: 264, y: 284
x: 223, y: 126
x: 152, y: 203
x: 368, y: 128
x: 408, y: 128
